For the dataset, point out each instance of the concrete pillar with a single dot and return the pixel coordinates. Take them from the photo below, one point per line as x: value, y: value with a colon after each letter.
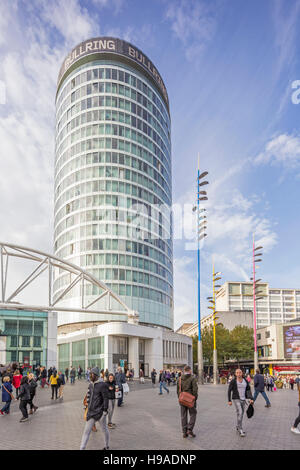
x: 108, y: 353
x: 3, y: 350
x: 52, y: 340
x: 154, y: 354
x: 133, y: 354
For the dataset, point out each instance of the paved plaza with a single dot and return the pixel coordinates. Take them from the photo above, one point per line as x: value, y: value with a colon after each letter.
x: 150, y: 421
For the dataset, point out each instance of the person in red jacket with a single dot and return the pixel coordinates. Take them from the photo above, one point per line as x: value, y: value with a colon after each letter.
x: 16, y: 381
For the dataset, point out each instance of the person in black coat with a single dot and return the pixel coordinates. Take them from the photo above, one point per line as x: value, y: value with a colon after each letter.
x: 97, y: 406
x: 112, y: 388
x: 238, y: 391
x: 259, y: 388
x: 24, y: 397
x: 33, y: 386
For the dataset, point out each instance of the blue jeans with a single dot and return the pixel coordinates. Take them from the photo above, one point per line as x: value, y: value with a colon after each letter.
x: 256, y: 393
x: 72, y: 379
x: 162, y: 385
x: 6, y: 407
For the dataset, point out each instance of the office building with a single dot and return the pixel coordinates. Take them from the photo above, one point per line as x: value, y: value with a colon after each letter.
x: 276, y: 305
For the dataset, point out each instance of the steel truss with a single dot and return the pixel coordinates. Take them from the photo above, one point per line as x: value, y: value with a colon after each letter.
x: 46, y: 262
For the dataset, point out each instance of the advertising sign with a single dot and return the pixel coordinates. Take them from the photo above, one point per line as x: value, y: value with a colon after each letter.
x: 291, y: 336
x: 113, y: 46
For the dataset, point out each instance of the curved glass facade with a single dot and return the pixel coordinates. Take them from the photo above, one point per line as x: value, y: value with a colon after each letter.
x: 113, y: 190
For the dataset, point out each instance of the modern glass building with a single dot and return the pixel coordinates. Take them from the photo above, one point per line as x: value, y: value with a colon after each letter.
x: 113, y: 188
x: 28, y: 337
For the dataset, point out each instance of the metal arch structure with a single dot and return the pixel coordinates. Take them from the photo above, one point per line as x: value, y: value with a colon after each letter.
x: 46, y: 262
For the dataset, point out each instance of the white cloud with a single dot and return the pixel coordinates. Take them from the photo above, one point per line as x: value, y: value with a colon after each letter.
x: 283, y: 149
x: 70, y: 19
x: 193, y: 23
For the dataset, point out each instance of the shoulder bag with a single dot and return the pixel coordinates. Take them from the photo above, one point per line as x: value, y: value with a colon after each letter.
x: 186, y: 398
x: 11, y: 395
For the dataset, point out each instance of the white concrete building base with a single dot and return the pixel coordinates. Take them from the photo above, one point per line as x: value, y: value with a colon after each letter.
x: 153, y: 339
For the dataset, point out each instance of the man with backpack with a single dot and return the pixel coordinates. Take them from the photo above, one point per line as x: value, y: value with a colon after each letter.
x: 162, y: 382
x: 187, y: 391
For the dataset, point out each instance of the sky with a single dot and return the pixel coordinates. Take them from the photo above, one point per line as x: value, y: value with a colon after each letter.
x: 229, y: 68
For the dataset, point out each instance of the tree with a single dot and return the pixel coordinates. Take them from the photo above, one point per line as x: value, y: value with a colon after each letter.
x: 242, y: 342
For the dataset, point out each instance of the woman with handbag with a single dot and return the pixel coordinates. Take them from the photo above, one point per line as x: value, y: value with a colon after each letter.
x: 7, y: 395
x: 187, y: 391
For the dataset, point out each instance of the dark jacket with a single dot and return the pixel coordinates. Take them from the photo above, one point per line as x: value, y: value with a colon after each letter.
x: 120, y: 379
x: 24, y: 393
x: 233, y: 390
x: 97, y: 399
x: 162, y: 377
x: 111, y: 393
x: 259, y: 383
x: 187, y: 383
x: 32, y: 386
x: 62, y: 379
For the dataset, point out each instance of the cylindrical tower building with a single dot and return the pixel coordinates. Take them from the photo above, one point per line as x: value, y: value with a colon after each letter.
x: 113, y: 190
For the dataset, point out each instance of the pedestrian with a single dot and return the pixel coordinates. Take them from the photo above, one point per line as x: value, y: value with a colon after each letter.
x: 120, y: 380
x: 142, y: 380
x: 72, y: 375
x: 7, y: 395
x: 54, y: 385
x: 67, y: 374
x: 295, y: 428
x: 102, y: 376
x: 79, y: 372
x: 153, y: 377
x: 106, y: 375
x: 50, y: 371
x: 43, y: 376
x: 24, y: 397
x: 259, y: 388
x: 187, y: 384
x: 16, y: 381
x: 112, y: 387
x: 97, y: 406
x: 32, y: 381
x: 61, y: 382
x: 240, y: 390
x: 162, y: 382
x: 292, y: 381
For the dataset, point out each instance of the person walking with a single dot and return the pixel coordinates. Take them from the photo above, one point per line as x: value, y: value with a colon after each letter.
x: 120, y: 380
x: 72, y: 375
x: 7, y: 395
x: 292, y: 381
x: 97, y: 406
x: 259, y: 388
x: 62, y: 383
x: 111, y: 383
x: 153, y: 377
x: 162, y: 382
x: 239, y: 389
x: 295, y: 428
x: 79, y: 372
x: 54, y: 385
x: 187, y: 383
x: 67, y: 374
x: 32, y: 381
x: 24, y: 397
x: 16, y: 381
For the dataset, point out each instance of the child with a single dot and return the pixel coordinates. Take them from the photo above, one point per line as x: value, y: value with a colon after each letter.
x: 7, y: 395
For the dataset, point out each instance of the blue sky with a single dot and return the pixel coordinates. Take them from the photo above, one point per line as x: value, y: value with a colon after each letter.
x: 228, y: 67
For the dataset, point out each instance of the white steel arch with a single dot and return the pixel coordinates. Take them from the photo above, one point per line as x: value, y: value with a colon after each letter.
x: 47, y: 263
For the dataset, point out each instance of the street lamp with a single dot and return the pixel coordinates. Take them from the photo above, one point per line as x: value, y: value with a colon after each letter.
x: 256, y: 295
x: 201, y: 234
x: 212, y: 300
